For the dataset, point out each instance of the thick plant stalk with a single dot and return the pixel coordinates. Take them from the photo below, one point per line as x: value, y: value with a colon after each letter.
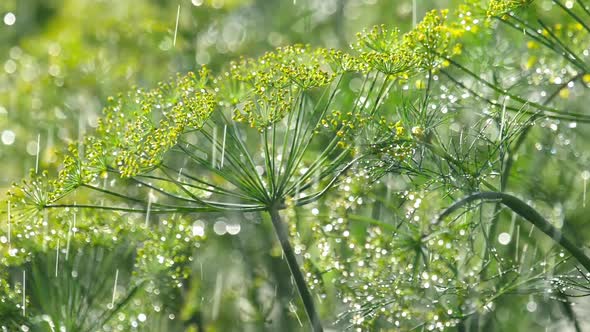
x: 283, y: 235
x: 528, y: 213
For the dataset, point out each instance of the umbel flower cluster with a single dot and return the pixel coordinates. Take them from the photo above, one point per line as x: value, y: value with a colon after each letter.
x: 140, y: 128
x: 273, y: 135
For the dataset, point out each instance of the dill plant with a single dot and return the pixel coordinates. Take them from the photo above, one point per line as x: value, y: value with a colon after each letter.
x: 275, y: 134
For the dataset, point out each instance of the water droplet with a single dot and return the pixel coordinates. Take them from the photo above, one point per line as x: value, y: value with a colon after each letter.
x: 220, y: 227
x: 233, y: 229
x: 531, y: 306
x: 504, y: 238
x: 8, y: 137
x: 198, y: 228
x: 10, y: 66
x: 9, y: 18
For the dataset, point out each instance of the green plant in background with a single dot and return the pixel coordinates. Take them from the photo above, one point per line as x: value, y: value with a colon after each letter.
x: 351, y: 155
x: 60, y: 64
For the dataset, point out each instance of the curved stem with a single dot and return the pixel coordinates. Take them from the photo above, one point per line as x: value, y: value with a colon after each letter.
x: 283, y: 235
x: 528, y: 213
x: 569, y: 311
x: 510, y: 153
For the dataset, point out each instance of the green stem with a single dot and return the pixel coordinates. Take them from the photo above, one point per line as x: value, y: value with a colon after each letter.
x: 528, y: 213
x: 509, y: 157
x: 283, y: 235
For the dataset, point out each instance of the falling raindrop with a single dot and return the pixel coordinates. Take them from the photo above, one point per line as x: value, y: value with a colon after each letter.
x: 414, y: 13
x: 74, y: 229
x: 112, y: 305
x: 24, y: 293
x: 294, y: 311
x: 9, y: 225
x: 176, y: 28
x: 149, y: 208
x: 317, y: 177
x: 37, y: 153
x: 223, y: 146
x: 214, y: 148
x: 46, y: 228
x: 517, y: 241
x: 57, y: 258
x: 217, y: 295
x: 69, y: 238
